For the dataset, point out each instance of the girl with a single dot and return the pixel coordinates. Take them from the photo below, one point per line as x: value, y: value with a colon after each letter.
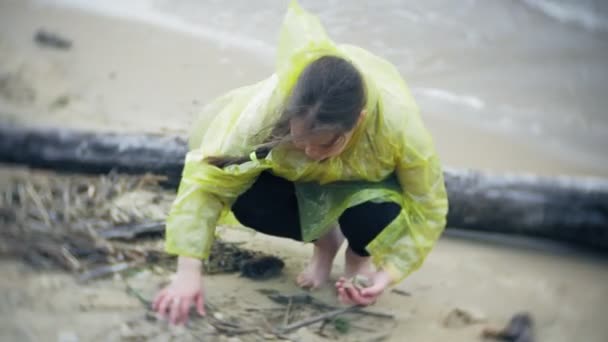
x: 329, y: 148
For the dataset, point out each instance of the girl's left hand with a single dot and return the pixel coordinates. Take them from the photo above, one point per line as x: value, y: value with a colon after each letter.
x: 363, y: 296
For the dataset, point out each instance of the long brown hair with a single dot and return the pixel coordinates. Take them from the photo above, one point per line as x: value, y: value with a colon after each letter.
x: 329, y: 94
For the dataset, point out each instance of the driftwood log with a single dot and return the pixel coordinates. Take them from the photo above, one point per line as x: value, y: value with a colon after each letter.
x: 562, y: 208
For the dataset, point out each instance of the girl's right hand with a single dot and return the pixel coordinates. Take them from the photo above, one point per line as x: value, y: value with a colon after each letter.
x: 174, y: 301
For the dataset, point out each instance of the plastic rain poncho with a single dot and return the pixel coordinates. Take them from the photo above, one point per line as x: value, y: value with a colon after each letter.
x: 390, y: 157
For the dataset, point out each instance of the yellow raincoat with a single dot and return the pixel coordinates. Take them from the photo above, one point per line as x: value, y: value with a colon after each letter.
x: 390, y: 157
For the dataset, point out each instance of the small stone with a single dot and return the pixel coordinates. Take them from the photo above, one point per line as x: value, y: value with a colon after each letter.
x: 361, y: 281
x: 358, y: 282
x: 218, y: 315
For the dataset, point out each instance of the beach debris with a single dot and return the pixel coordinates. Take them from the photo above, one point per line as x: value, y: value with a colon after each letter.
x: 105, y: 270
x: 53, y: 40
x: 519, y: 329
x: 461, y: 317
x: 133, y: 231
x: 307, y: 299
x: 319, y: 318
x: 81, y: 224
x: 97, y: 226
x: 262, y: 268
x: 299, y: 298
x: 228, y: 258
x: 401, y: 292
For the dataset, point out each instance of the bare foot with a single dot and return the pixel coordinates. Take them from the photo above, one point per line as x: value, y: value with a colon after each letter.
x: 356, y: 265
x: 317, y: 272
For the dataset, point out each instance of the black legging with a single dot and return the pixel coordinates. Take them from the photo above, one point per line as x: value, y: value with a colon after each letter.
x: 270, y: 207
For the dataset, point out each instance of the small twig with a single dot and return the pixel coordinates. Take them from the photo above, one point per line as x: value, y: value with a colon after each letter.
x: 70, y: 258
x: 228, y: 327
x: 305, y: 298
x: 272, y: 330
x: 106, y: 270
x: 140, y: 249
x: 129, y: 232
x: 319, y: 318
x: 66, y: 202
x: 38, y: 203
x: 286, y: 317
x: 220, y: 325
x: 321, y: 330
x: 130, y: 290
x: 262, y: 309
x: 51, y: 250
x: 374, y: 314
x: 401, y: 292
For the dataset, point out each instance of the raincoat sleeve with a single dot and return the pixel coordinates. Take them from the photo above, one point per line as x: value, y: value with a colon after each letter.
x: 425, y: 204
x: 206, y: 192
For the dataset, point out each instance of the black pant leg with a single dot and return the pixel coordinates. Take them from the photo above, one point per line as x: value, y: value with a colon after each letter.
x: 270, y: 207
x: 362, y: 223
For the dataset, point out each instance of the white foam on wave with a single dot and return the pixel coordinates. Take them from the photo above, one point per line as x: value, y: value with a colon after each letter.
x: 581, y: 13
x: 144, y: 11
x: 444, y: 95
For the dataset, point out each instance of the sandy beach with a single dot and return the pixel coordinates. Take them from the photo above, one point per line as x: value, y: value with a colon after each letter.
x: 125, y: 74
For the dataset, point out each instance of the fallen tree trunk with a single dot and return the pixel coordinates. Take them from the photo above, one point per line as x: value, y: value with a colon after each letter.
x: 570, y: 209
x: 93, y: 152
x: 563, y: 208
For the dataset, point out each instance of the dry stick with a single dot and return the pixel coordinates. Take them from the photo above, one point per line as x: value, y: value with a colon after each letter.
x: 228, y: 328
x: 219, y: 325
x: 45, y: 215
x: 131, y: 231
x: 107, y: 269
x: 374, y: 314
x: 66, y: 202
x: 401, y: 292
x: 56, y: 254
x: 319, y: 318
x: 70, y: 258
x: 286, y: 317
x: 224, y: 326
x: 274, y: 331
x: 321, y: 331
x: 360, y: 311
x: 305, y: 298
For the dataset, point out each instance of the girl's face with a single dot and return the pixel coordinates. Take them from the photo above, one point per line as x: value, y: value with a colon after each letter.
x: 318, y: 145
